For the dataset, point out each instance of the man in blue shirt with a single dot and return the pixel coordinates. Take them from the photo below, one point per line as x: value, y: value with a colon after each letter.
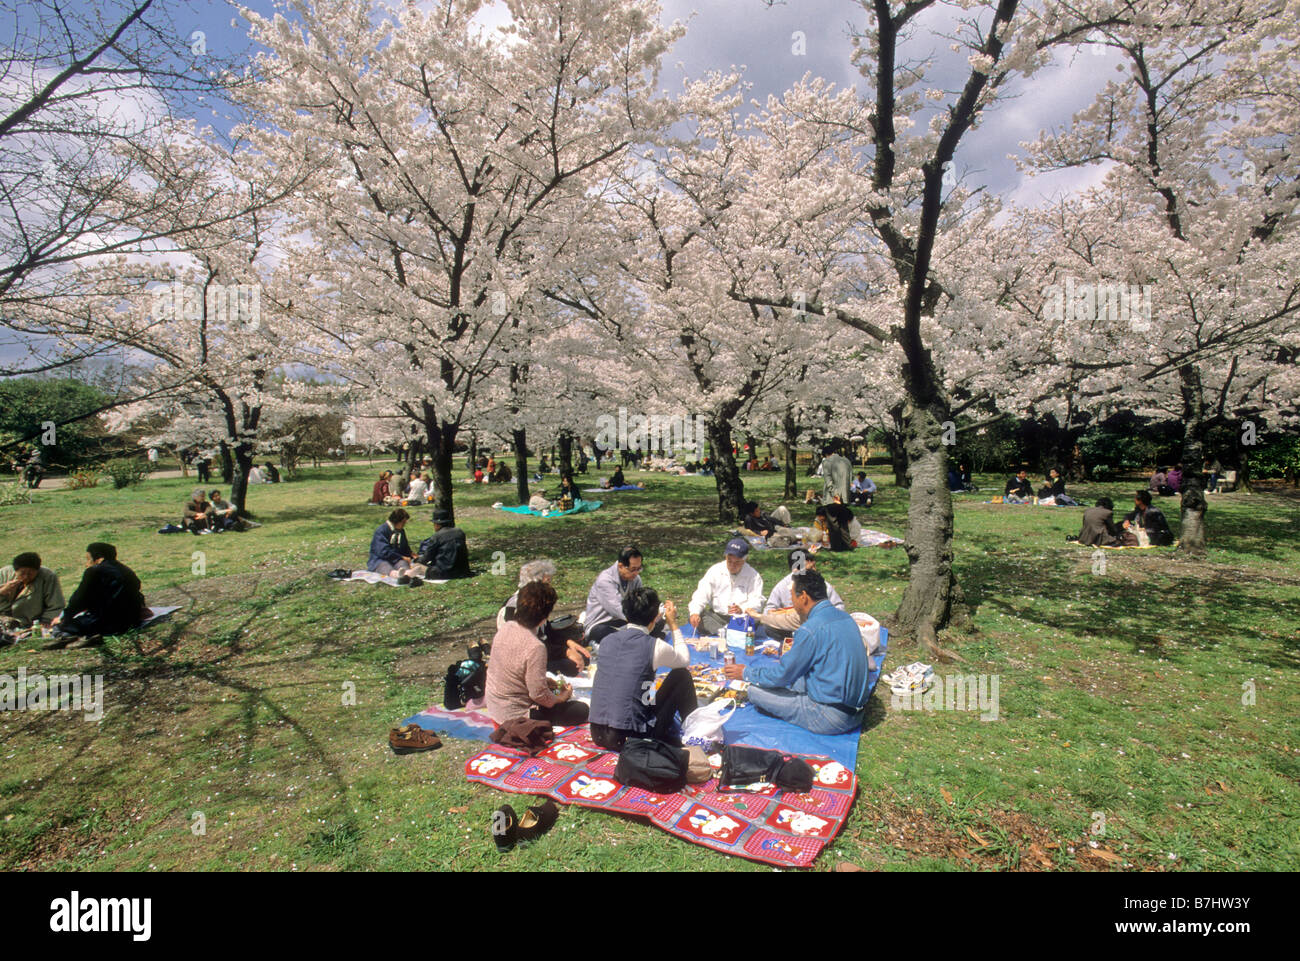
x: 820, y: 684
x: 863, y: 491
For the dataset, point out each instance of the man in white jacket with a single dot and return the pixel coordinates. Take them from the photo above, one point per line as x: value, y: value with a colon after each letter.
x: 729, y: 587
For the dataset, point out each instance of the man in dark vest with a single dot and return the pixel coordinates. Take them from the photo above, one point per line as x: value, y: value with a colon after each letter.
x: 624, y: 702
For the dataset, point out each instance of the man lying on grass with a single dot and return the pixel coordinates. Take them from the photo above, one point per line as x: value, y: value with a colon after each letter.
x: 820, y: 684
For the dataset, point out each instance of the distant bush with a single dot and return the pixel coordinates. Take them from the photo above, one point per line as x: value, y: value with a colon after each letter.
x: 83, y: 478
x: 126, y: 471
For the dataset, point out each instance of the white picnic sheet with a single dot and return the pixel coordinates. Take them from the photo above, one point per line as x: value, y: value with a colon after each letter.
x: 371, y: 577
x: 160, y: 613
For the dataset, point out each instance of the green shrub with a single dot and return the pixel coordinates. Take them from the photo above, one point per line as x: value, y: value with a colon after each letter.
x: 126, y: 471
x: 83, y: 478
x: 14, y: 494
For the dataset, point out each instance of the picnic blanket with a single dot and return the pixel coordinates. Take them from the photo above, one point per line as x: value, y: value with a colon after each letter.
x: 609, y: 490
x: 775, y: 827
x: 579, y: 507
x: 1126, y: 547
x: 371, y: 577
x: 868, y: 538
x: 159, y: 614
x: 464, y: 724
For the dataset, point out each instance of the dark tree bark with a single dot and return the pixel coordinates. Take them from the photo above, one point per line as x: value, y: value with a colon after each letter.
x: 227, y: 464
x: 897, y: 447
x: 565, y: 442
x: 791, y: 439
x: 1191, y: 542
x: 520, y: 440
x: 731, y: 489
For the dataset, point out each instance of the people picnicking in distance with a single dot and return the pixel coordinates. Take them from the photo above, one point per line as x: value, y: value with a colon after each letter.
x: 862, y: 492
x: 380, y: 492
x: 445, y: 555
x: 835, y: 522
x: 107, y: 601
x: 1146, y: 523
x: 389, y: 550
x: 29, y: 593
x: 201, y: 516
x: 1212, y: 470
x: 538, y: 501
x: 271, y: 472
x: 203, y: 467
x: 959, y: 480
x: 1099, y: 528
x: 836, y: 474
x: 1018, y: 489
x: 1159, y: 481
x: 502, y: 475
x: 624, y: 701
x: 617, y: 479
x: 255, y: 476
x: 820, y: 684
x: 564, y: 655
x: 778, y: 616
x: 569, y: 490
x: 604, y: 612
x: 728, y: 588
x: 517, y: 687
x: 1054, y: 488
x: 1174, y: 479
x: 419, y: 489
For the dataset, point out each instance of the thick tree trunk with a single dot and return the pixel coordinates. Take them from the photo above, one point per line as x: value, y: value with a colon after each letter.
x: 473, y: 452
x: 239, y: 480
x: 791, y: 438
x: 520, y: 439
x: 441, y: 439
x: 933, y: 596
x: 227, y: 464
x: 731, y: 489
x: 565, y: 441
x: 1191, y: 541
x: 1243, y: 472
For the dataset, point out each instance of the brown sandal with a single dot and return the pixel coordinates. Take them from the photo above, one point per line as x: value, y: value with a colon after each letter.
x: 412, y: 738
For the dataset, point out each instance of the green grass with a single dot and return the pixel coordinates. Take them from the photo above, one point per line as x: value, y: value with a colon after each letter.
x: 1121, y: 696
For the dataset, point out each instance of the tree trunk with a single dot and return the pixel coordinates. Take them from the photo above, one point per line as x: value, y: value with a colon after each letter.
x: 239, y: 481
x: 441, y: 439
x: 1243, y: 472
x: 933, y: 596
x: 227, y: 464
x: 520, y: 439
x: 566, y: 452
x: 1191, y: 541
x: 897, y: 448
x: 731, y: 489
x: 791, y: 438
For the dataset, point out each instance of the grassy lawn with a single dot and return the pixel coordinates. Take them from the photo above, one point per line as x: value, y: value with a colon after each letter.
x: 1121, y: 718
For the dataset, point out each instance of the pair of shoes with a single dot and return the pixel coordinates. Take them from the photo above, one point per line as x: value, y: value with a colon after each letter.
x: 412, y: 738
x: 58, y: 641
x: 90, y: 640
x: 507, y: 827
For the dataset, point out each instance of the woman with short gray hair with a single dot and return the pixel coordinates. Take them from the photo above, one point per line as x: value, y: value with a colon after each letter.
x: 563, y: 654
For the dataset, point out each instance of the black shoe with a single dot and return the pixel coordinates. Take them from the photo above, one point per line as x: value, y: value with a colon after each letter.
x: 1071, y: 537
x: 58, y: 641
x: 504, y: 827
x: 416, y: 581
x: 404, y: 580
x: 90, y: 640
x: 538, y: 820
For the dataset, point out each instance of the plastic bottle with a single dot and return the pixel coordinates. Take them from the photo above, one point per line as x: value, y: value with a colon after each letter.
x: 749, y: 636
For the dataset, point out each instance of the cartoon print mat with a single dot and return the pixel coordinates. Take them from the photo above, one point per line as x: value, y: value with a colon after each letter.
x: 781, y: 828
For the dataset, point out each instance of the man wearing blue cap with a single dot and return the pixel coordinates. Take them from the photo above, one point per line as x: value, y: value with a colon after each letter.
x: 728, y: 587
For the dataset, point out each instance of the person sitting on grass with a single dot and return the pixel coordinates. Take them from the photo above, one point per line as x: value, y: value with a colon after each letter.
x: 1149, y: 519
x: 835, y: 521
x: 199, y: 517
x: 820, y: 684
x: 1158, y: 481
x: 224, y: 516
x: 29, y: 592
x: 764, y: 525
x: 445, y: 554
x: 564, y: 655
x: 727, y: 588
x: 1018, y: 489
x: 778, y: 616
x: 517, y: 687
x: 604, y: 612
x: 1174, y: 479
x: 863, y: 490
x: 1099, y: 528
x: 1055, y: 489
x: 272, y: 473
x: 624, y: 702
x: 107, y: 601
x: 379, y: 493
x: 389, y: 549
x: 418, y: 492
x: 618, y: 480
x: 569, y: 489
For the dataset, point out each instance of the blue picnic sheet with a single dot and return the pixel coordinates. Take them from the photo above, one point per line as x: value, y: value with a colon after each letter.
x: 750, y: 726
x: 608, y: 490
x: 579, y: 507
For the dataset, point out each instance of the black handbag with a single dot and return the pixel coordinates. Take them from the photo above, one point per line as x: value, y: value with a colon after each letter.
x: 753, y: 769
x: 652, y: 765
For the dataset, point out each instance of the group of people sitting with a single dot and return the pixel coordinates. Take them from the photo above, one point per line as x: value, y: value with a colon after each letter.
x: 835, y: 526
x: 204, y: 516
x: 1020, y: 491
x: 769, y: 463
x: 1166, y: 481
x: 108, y: 600
x: 443, y: 556
x: 959, y: 480
x: 488, y: 470
x: 617, y: 480
x: 395, y: 490
x: 1143, y: 526
x: 820, y: 683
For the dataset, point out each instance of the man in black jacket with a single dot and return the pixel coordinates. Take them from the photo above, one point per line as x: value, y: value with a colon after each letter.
x: 107, y: 601
x: 1018, y: 489
x: 1148, y: 517
x: 445, y: 553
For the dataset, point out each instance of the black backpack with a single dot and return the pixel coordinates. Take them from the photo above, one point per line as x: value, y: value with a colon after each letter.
x: 652, y: 765
x: 466, y: 681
